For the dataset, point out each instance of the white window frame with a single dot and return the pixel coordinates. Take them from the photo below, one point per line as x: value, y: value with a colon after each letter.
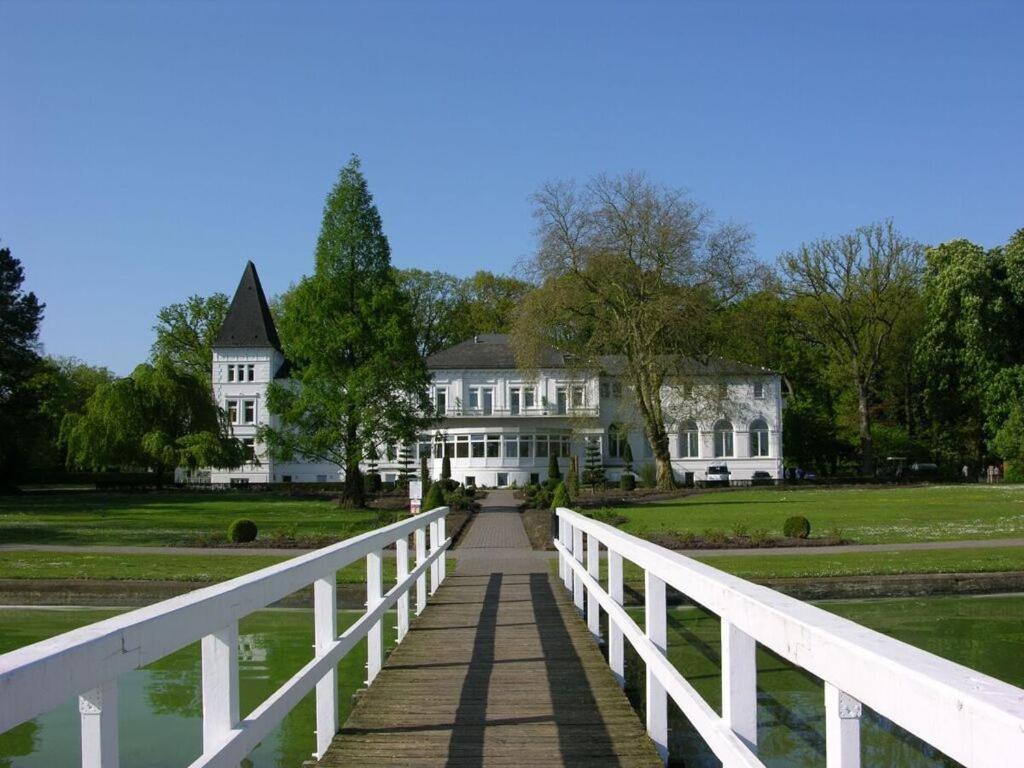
x: 724, y: 441
x: 760, y: 444
x: 689, y: 441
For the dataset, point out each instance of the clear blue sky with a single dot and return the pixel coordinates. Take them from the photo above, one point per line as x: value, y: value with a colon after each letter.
x: 148, y: 149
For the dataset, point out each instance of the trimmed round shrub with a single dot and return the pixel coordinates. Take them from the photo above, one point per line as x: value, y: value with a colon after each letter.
x: 242, y: 531
x: 797, y: 527
x: 561, y: 497
x: 627, y: 482
x: 434, y: 498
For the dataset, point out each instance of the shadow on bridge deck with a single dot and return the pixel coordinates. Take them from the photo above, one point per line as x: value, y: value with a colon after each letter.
x: 499, y: 670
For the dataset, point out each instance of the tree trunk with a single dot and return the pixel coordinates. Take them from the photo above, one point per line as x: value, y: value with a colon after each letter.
x: 867, y: 453
x: 353, y: 495
x: 663, y: 460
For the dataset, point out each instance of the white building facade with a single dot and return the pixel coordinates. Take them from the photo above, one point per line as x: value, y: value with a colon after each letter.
x: 499, y: 426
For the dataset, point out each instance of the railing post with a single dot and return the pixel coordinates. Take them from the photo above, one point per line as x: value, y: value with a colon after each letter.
x: 402, y: 569
x: 615, y: 640
x: 842, y: 729
x: 594, y: 571
x: 374, y: 594
x: 434, y: 584
x: 421, y: 580
x: 98, y: 714
x: 657, y: 700
x: 739, y: 683
x: 561, y: 540
x: 577, y: 582
x: 442, y: 566
x: 325, y: 632
x: 567, y: 543
x: 220, y: 685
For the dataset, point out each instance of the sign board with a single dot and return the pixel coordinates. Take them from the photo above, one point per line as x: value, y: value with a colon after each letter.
x: 415, y: 496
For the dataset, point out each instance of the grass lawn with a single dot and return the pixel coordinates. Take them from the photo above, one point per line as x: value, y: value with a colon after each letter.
x: 155, y: 567
x: 980, y: 560
x: 169, y: 519
x: 862, y: 515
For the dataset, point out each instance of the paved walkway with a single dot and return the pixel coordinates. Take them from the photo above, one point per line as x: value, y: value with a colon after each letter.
x: 499, y: 670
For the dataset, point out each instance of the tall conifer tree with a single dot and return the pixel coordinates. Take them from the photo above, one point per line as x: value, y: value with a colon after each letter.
x: 357, y: 378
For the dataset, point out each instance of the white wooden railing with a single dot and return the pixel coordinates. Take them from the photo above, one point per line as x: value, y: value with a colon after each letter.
x: 88, y: 661
x: 973, y: 718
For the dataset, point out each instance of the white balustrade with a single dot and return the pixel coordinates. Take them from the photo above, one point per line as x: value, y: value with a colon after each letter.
x: 87, y: 662
x: 971, y: 717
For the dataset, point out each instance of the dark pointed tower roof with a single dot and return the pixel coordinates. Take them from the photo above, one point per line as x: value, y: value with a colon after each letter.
x: 248, y: 323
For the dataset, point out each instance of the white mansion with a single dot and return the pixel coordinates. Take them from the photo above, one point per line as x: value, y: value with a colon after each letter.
x: 499, y: 426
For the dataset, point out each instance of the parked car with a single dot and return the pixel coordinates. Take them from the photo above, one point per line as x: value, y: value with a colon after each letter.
x: 717, y: 474
x: 761, y: 477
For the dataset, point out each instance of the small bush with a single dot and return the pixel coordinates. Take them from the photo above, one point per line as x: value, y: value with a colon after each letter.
x: 561, y: 497
x: 759, y: 537
x: 648, y: 475
x: 434, y: 498
x: 242, y: 531
x: 835, y: 534
x: 688, y: 539
x: 607, y: 516
x: 554, y: 471
x: 740, y: 530
x: 797, y: 527
x: 715, y: 538
x: 470, y: 490
x: 627, y: 482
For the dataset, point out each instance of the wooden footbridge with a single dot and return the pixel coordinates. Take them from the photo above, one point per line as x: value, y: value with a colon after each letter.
x: 505, y: 666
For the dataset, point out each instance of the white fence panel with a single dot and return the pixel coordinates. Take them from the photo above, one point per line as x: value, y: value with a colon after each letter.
x: 88, y: 661
x: 973, y: 718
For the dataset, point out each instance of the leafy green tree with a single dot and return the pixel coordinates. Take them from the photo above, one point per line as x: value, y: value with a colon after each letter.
x: 850, y: 293
x: 185, y: 333
x: 62, y: 385
x: 20, y: 315
x: 487, y: 303
x: 157, y: 418
x: 628, y: 267
x: 358, y: 379
x: 434, y: 299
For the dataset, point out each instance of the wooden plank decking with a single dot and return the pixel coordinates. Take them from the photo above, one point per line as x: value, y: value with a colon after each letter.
x: 499, y: 670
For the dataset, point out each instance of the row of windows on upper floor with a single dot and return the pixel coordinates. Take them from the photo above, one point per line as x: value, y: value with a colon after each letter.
x: 522, y: 399
x: 241, y: 372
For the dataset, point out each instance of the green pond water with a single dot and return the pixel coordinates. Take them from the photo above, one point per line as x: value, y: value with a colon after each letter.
x: 160, y: 706
x: 985, y: 633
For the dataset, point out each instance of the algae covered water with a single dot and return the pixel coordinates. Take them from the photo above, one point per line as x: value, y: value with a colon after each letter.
x: 160, y: 704
x: 985, y: 633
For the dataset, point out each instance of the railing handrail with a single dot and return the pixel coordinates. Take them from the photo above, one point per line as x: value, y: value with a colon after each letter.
x: 974, y: 718
x: 38, y: 677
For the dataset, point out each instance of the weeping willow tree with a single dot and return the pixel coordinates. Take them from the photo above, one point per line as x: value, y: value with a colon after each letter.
x: 628, y: 267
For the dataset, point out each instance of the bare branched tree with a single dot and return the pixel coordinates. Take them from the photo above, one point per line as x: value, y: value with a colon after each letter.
x: 628, y: 267
x: 851, y: 293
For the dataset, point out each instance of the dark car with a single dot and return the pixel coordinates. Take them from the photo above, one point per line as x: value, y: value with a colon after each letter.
x: 760, y: 477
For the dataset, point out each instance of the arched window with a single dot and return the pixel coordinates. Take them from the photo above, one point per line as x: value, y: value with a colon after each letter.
x: 617, y: 437
x: 689, y: 440
x: 759, y: 437
x: 723, y: 438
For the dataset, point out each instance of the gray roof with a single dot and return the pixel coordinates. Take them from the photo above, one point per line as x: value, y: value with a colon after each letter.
x: 487, y: 350
x: 494, y: 350
x: 248, y: 322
